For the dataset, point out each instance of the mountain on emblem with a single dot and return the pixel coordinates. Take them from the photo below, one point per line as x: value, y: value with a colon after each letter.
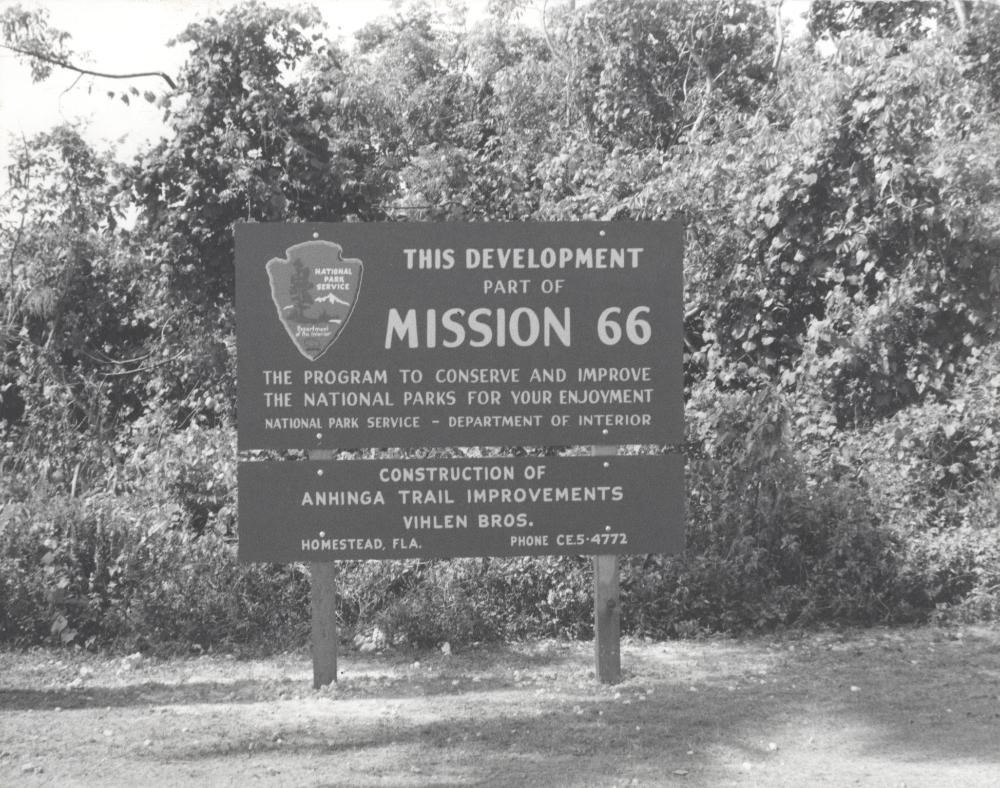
x: 314, y: 290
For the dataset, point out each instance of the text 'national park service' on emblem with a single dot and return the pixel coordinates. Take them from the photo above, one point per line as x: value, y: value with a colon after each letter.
x: 314, y: 290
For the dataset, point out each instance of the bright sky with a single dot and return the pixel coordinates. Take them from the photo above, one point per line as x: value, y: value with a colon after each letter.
x: 132, y: 35
x: 122, y: 36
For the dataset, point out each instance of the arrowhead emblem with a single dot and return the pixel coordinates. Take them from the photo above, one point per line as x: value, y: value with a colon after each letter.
x: 314, y: 290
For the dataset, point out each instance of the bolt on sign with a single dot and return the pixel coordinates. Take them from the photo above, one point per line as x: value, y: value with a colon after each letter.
x: 443, y: 508
x: 407, y: 335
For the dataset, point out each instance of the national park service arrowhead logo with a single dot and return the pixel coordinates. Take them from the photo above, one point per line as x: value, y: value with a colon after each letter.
x: 314, y: 290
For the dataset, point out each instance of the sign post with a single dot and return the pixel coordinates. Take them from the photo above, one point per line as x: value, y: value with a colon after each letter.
x: 607, y: 620
x: 323, y: 611
x: 401, y: 335
x: 607, y: 607
x: 323, y: 606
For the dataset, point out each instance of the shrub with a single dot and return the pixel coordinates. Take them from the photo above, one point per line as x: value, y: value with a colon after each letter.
x: 783, y: 530
x: 92, y: 572
x: 957, y: 571
x: 937, y: 470
x: 769, y: 542
x: 426, y: 603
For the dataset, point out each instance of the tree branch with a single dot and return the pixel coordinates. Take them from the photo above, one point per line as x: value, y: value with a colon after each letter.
x: 55, y: 61
x: 779, y: 32
x: 548, y: 40
x: 963, y: 19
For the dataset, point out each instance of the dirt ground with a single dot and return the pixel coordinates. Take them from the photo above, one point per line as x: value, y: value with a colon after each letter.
x: 884, y: 707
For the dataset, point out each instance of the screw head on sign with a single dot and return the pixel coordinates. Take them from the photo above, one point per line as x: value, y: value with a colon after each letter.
x: 315, y: 235
x: 322, y: 534
x: 604, y: 431
x: 319, y: 436
x: 607, y: 528
x: 607, y: 464
x: 319, y: 471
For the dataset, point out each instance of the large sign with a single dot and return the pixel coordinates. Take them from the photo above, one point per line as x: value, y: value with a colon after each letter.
x: 437, y: 508
x: 395, y: 334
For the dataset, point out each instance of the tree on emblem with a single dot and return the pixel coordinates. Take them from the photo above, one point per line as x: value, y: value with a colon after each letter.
x: 299, y: 289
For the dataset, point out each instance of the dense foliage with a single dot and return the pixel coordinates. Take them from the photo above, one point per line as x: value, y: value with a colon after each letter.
x: 841, y: 197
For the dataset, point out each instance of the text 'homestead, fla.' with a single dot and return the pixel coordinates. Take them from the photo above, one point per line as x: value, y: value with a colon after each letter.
x: 406, y: 335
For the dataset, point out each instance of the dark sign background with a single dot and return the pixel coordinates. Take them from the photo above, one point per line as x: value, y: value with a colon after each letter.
x: 656, y: 283
x: 276, y: 526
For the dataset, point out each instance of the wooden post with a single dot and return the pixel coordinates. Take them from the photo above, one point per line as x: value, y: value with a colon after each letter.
x: 607, y: 609
x: 324, y: 623
x: 323, y: 610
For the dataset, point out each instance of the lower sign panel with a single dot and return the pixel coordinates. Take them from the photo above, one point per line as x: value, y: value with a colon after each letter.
x: 444, y: 508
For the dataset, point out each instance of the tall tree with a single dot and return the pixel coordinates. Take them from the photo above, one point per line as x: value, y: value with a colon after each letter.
x: 252, y: 139
x: 69, y: 336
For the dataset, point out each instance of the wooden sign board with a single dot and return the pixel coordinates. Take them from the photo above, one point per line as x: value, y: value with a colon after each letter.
x: 439, y: 508
x: 406, y: 335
